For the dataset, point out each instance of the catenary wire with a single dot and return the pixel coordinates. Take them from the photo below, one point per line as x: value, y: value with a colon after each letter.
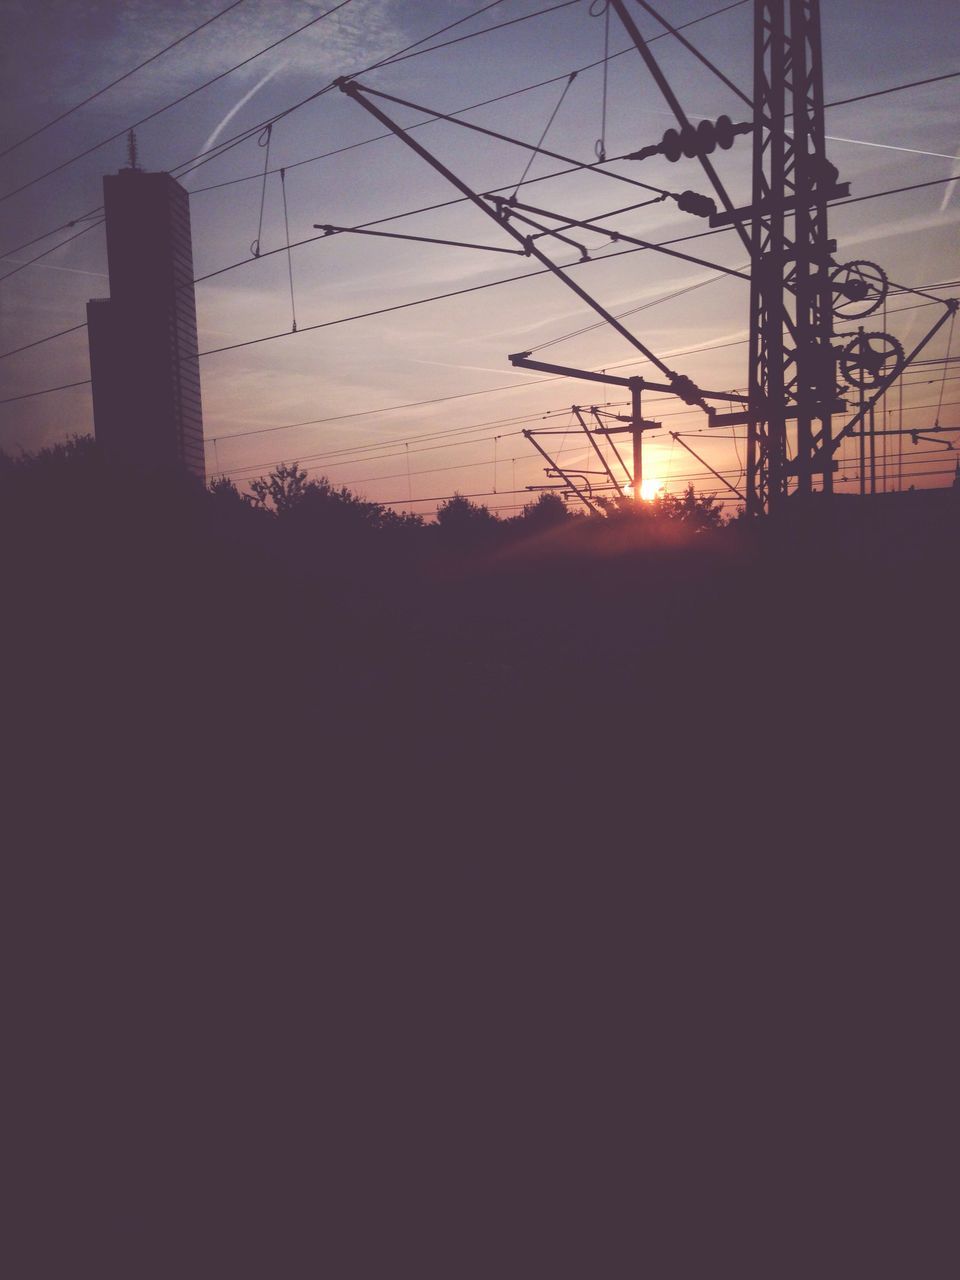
x: 430, y: 208
x: 216, y: 151
x: 126, y: 76
x: 420, y: 124
x: 176, y: 102
x: 490, y: 284
x: 202, y: 158
x: 53, y: 248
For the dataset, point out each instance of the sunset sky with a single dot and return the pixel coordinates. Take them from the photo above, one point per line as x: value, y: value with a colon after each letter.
x: 354, y: 384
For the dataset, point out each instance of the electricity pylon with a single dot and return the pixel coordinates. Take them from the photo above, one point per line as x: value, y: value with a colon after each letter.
x: 792, y: 361
x: 797, y: 287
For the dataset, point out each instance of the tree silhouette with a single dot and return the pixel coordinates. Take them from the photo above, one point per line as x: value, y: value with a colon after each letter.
x: 548, y: 511
x: 282, y: 490
x: 462, y: 521
x: 697, y: 512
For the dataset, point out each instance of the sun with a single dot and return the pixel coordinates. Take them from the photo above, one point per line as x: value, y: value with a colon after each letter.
x: 650, y: 488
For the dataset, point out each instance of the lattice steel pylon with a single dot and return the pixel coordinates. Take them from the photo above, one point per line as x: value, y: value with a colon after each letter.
x: 792, y: 361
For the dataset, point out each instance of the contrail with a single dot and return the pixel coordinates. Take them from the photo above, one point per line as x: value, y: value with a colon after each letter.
x: 52, y: 266
x: 951, y: 186
x: 886, y: 146
x: 242, y: 103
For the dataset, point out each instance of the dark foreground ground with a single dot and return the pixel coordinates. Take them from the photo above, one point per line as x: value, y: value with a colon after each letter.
x: 580, y: 906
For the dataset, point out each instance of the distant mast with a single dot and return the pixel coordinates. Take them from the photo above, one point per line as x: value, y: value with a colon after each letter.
x: 132, y: 157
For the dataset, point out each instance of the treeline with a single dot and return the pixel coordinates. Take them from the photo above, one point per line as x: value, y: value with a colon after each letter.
x: 297, y: 632
x: 317, y: 523
x: 317, y: 505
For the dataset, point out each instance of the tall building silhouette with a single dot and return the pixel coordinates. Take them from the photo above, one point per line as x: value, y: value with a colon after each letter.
x: 143, y: 338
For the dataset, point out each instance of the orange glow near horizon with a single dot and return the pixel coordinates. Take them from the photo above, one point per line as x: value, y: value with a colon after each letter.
x: 650, y: 488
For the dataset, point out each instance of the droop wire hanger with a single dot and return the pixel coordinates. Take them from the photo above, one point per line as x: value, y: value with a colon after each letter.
x: 286, y: 228
x: 546, y: 130
x: 262, y: 141
x: 600, y: 146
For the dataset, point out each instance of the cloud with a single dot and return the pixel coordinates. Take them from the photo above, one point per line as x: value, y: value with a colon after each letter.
x: 81, y: 45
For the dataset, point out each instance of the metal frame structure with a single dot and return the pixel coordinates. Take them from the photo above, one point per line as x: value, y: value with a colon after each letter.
x: 797, y: 288
x: 632, y: 424
x: 792, y: 362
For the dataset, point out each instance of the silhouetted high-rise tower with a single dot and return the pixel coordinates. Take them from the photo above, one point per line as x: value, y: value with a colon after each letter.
x: 143, y: 338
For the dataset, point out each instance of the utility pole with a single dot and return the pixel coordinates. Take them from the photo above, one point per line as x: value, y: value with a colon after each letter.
x: 635, y: 426
x: 796, y: 286
x: 792, y: 362
x: 636, y: 430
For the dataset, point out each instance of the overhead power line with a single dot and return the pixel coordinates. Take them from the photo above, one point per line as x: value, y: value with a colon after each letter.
x: 404, y: 54
x: 126, y: 76
x: 879, y: 93
x: 176, y: 102
x: 204, y: 157
x: 711, y: 66
x: 420, y: 124
x: 53, y: 248
x: 220, y: 150
x: 410, y: 51
x: 437, y: 297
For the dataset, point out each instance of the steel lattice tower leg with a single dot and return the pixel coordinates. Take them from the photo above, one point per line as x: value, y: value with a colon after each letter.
x: 792, y: 364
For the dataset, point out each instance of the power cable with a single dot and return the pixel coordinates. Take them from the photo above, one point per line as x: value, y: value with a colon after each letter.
x: 433, y: 298
x: 126, y: 76
x: 64, y: 226
x: 176, y: 102
x: 312, y: 239
x: 445, y: 432
x: 475, y: 13
x: 540, y: 84
x: 402, y: 57
x: 445, y: 204
x: 546, y: 130
x: 645, y: 306
x: 53, y: 248
x: 416, y: 302
x: 517, y: 142
x: 420, y: 124
x: 27, y: 346
x: 878, y: 93
x: 389, y: 408
x: 216, y: 152
x: 328, y: 458
x: 696, y: 53
x: 225, y: 146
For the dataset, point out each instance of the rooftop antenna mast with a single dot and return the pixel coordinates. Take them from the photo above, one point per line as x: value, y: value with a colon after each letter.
x: 133, y: 160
